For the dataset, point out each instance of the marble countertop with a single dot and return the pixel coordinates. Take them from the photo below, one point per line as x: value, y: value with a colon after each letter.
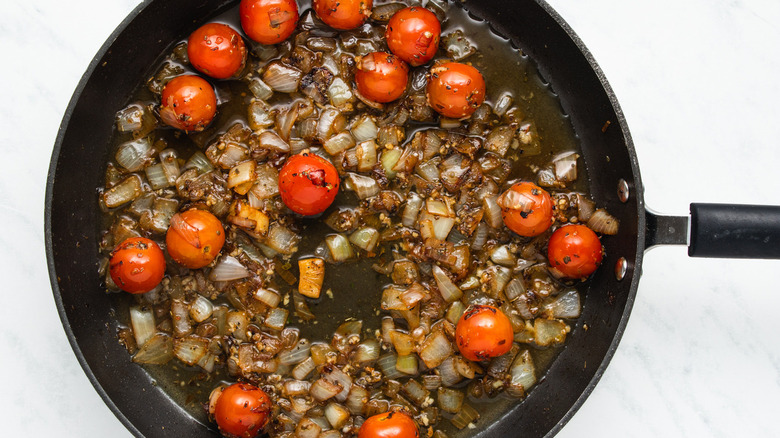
x: 698, y: 83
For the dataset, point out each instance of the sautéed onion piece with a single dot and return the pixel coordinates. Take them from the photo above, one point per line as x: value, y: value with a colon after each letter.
x: 422, y: 203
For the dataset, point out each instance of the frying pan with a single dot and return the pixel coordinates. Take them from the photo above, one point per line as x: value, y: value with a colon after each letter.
x: 72, y: 221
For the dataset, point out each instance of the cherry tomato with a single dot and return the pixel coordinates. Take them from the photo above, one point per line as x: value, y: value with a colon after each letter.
x: 216, y: 50
x: 137, y: 265
x: 308, y: 183
x: 455, y: 90
x: 413, y: 35
x: 343, y: 14
x: 188, y: 103
x: 242, y: 410
x: 575, y: 250
x: 194, y: 238
x: 483, y: 332
x: 268, y: 21
x: 389, y: 425
x: 381, y: 77
x: 527, y: 209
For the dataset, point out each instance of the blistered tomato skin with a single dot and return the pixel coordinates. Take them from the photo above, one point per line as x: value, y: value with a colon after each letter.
x: 216, y: 50
x: 483, y: 332
x: 242, y: 410
x: 188, y: 103
x: 268, y: 21
x: 137, y: 265
x: 413, y: 35
x: 308, y: 183
x: 343, y: 14
x: 575, y: 251
x: 381, y: 77
x: 194, y: 238
x: 527, y: 209
x: 455, y: 90
x: 389, y: 425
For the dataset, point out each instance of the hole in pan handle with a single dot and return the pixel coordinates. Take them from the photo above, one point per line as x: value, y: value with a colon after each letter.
x: 720, y: 231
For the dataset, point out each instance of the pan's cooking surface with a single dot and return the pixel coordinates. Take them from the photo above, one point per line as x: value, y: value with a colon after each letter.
x: 356, y: 287
x: 747, y: 409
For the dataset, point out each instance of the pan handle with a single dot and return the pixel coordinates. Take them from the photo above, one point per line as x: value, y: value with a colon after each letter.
x: 719, y: 231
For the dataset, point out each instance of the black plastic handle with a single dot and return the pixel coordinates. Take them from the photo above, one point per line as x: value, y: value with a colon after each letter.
x: 735, y: 231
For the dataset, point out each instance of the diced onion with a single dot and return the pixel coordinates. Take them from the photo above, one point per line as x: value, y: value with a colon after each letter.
x: 312, y: 272
x: 295, y: 355
x: 435, y: 349
x: 158, y: 350
x: 465, y: 416
x: 501, y: 255
x: 566, y: 305
x: 523, y: 375
x: 339, y: 92
x: 260, y: 115
x: 603, y: 222
x: 366, y: 155
x: 357, y: 399
x: 337, y: 415
x: 565, y: 166
x: 281, y: 77
x: 339, y: 143
x: 450, y: 400
x: 281, y: 239
x: 276, y: 318
x: 449, y: 291
x: 413, y: 205
x: 389, y: 159
x: 339, y: 247
x: 387, y: 364
x: 155, y: 174
x: 199, y: 161
x: 201, y: 309
x: 336, y: 375
x: 323, y: 389
x: 492, y: 212
x: 363, y: 186
x: 407, y: 364
x: 304, y: 368
x: 549, y: 332
x: 227, y: 269
x: 366, y: 352
x: 365, y: 238
x: 190, y: 349
x: 142, y: 322
x: 268, y: 297
x: 134, y: 154
x: 364, y: 129
x: 124, y: 192
x: 260, y: 89
x: 449, y: 374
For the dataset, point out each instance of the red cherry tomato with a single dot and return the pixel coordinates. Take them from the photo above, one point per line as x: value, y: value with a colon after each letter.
x: 137, y: 265
x: 242, y: 410
x: 343, y: 14
x: 381, y: 77
x: 194, y: 238
x: 413, y: 35
x: 455, y: 90
x: 389, y: 425
x: 268, y: 21
x: 483, y: 332
x: 188, y: 103
x: 527, y: 209
x: 575, y: 251
x: 216, y: 50
x: 308, y: 183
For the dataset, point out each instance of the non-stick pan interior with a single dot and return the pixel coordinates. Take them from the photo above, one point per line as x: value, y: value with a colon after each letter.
x: 72, y: 216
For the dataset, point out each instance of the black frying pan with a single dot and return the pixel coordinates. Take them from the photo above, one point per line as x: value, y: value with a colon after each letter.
x: 72, y: 217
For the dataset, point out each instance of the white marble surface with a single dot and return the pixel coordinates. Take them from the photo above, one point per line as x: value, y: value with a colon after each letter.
x: 697, y: 81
